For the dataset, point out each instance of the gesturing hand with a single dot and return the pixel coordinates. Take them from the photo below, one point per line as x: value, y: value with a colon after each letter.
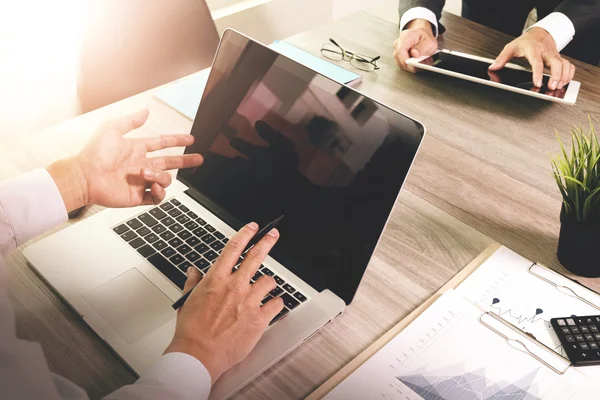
x: 416, y: 40
x: 223, y: 319
x: 539, y: 48
x: 115, y: 171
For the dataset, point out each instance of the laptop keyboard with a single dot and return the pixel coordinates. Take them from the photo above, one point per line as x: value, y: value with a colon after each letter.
x: 173, y: 238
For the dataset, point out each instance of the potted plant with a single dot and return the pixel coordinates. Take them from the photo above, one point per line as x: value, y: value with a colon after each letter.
x: 577, y: 174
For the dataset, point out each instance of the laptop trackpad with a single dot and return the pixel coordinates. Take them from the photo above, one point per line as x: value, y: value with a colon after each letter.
x: 131, y: 305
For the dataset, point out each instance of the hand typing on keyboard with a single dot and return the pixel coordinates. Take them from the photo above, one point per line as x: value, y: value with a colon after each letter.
x: 224, y: 317
x: 115, y: 171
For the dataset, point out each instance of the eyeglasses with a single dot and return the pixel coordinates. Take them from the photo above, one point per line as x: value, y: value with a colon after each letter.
x: 335, y: 52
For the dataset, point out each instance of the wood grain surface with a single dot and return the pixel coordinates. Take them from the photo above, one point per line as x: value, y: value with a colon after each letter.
x: 482, y: 176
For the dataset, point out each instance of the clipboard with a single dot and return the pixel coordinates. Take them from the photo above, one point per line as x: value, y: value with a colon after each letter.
x: 503, y: 328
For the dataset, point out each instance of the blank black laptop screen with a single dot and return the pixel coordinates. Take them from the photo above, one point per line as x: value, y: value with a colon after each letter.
x: 280, y: 139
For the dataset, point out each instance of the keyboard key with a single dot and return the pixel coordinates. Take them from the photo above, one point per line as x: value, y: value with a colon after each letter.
x: 183, y: 235
x: 182, y: 219
x: 184, y: 208
x: 168, y: 235
x: 174, y: 213
x: 175, y: 202
x: 119, y: 230
x: 289, y: 301
x: 157, y: 213
x: 135, y: 243
x: 166, y: 206
x: 257, y: 275
x: 127, y: 236
x: 160, y: 245
x: 193, y: 241
x: 269, y: 297
x: 143, y: 231
x: 210, y: 228
x: 208, y: 238
x: 193, y: 256
x: 289, y: 288
x: 175, y: 242
x: 300, y: 296
x: 200, y: 221
x: 134, y: 223
x: 226, y: 240
x: 202, y: 264
x: 151, y: 238
x: 176, y: 227
x: 219, y: 235
x: 281, y: 314
x: 279, y: 280
x: 216, y: 246
x: 177, y: 259
x: 267, y: 271
x: 168, y: 221
x: 147, y: 219
x: 200, y: 232
x: 191, y: 225
x: 276, y: 292
x: 168, y: 270
x: 158, y: 228
x: 192, y: 215
x: 184, y: 249
x: 202, y: 248
x: 146, y: 250
x: 168, y: 252
x: 211, y: 255
x: 184, y: 266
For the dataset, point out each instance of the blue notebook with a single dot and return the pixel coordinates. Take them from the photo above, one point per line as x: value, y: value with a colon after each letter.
x: 185, y: 94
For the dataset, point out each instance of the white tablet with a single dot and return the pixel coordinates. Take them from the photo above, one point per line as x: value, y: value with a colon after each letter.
x: 512, y: 77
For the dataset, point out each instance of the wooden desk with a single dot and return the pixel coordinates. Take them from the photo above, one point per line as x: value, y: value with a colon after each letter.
x: 482, y: 175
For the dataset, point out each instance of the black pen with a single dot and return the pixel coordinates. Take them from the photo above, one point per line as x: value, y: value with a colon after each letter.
x: 261, y: 234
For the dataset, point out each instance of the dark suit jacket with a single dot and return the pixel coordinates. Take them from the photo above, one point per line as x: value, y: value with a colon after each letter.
x: 509, y: 16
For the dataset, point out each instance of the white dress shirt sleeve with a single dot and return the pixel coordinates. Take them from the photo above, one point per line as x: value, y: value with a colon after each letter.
x: 419, y: 13
x: 29, y: 205
x: 559, y: 26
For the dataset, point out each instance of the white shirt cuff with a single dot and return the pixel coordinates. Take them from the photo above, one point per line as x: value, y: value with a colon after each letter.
x: 184, y: 375
x: 559, y: 26
x: 419, y: 13
x: 29, y: 205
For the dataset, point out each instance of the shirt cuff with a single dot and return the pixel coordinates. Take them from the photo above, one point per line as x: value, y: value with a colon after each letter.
x: 29, y: 205
x: 419, y: 13
x: 185, y: 376
x: 559, y: 26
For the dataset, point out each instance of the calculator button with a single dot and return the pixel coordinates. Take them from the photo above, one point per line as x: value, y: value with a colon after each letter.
x: 597, y: 336
x: 584, y: 329
x: 590, y: 321
x: 584, y: 346
x: 561, y: 322
x: 593, y: 345
x: 565, y: 330
x: 579, y: 338
x: 570, y: 321
x: 575, y: 330
x: 569, y: 338
x: 593, y: 328
x: 588, y: 337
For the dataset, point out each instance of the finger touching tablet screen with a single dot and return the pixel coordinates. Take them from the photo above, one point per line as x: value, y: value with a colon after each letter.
x: 512, y: 77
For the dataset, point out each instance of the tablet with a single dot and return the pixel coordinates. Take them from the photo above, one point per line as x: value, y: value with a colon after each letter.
x: 512, y: 77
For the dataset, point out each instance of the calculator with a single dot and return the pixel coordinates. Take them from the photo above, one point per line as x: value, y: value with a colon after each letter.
x: 580, y: 337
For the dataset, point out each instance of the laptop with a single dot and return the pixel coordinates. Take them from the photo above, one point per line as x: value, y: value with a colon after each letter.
x: 278, y: 139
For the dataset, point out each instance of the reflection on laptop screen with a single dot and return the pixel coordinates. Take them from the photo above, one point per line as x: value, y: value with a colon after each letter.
x: 279, y: 139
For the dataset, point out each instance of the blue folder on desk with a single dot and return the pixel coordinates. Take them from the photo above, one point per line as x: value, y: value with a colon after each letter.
x: 185, y: 94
